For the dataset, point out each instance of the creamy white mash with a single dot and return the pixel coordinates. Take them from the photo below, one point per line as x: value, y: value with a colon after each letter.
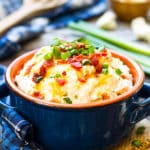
x: 56, y: 74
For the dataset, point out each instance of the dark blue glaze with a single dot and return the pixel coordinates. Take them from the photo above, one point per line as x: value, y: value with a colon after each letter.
x: 83, y: 129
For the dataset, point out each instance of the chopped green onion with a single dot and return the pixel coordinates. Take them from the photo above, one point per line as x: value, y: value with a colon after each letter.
x: 56, y: 52
x: 39, y: 54
x: 74, y: 44
x: 73, y: 52
x: 105, y: 70
x: 56, y: 42
x: 105, y: 65
x: 57, y: 75
x: 140, y: 130
x: 137, y: 143
x: 104, y: 35
x: 84, y: 40
x: 91, y: 49
x: 65, y: 55
x: 86, y: 62
x: 118, y: 71
x: 84, y: 51
x: 67, y: 100
x: 48, y: 55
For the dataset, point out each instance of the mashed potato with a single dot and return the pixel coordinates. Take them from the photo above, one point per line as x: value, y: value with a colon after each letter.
x: 74, y: 72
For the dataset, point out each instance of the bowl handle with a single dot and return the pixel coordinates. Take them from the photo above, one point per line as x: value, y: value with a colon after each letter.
x: 4, y: 91
x: 140, y: 107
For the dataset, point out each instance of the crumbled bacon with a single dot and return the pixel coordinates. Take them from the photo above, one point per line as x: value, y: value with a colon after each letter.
x: 38, y: 95
x: 98, y: 68
x: 76, y: 65
x: 83, y: 80
x: 48, y: 63
x: 37, y: 77
x: 105, y: 96
x: 64, y: 73
x: 60, y: 81
x: 60, y: 61
x: 94, y: 60
x: 104, y: 52
x: 42, y: 71
x: 28, y: 70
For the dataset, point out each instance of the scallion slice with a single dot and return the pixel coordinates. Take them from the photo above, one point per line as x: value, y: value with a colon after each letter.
x: 48, y: 55
x: 67, y: 100
x: 118, y: 71
x: 65, y: 55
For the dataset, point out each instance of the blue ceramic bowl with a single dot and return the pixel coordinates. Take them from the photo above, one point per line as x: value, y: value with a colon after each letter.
x: 90, y: 126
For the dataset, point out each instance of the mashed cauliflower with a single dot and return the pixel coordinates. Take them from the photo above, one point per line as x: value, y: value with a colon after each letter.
x: 74, y: 72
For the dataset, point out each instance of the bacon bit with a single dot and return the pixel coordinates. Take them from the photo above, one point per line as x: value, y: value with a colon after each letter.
x: 123, y: 76
x: 64, y: 73
x: 61, y: 82
x: 28, y: 70
x: 42, y: 71
x: 98, y: 68
x: 104, y: 52
x: 83, y: 80
x: 38, y: 95
x: 48, y: 63
x: 76, y: 65
x: 94, y: 60
x: 80, y: 45
x: 77, y: 58
x: 105, y: 96
x: 37, y: 77
x: 60, y: 61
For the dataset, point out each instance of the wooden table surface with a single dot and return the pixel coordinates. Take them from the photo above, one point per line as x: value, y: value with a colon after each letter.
x: 124, y: 32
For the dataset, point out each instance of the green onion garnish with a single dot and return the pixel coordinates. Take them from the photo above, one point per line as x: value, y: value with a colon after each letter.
x: 105, y: 65
x: 105, y: 70
x: 48, y: 55
x: 136, y: 143
x: 140, y: 130
x: 56, y: 42
x: 74, y: 52
x: 74, y: 44
x: 57, y: 75
x: 67, y: 100
x: 91, y: 49
x: 84, y: 40
x: 118, y: 71
x: 84, y: 51
x: 65, y: 55
x: 56, y: 52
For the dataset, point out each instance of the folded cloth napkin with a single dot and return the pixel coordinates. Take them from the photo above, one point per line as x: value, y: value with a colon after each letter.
x: 17, y: 133
x: 10, y: 43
